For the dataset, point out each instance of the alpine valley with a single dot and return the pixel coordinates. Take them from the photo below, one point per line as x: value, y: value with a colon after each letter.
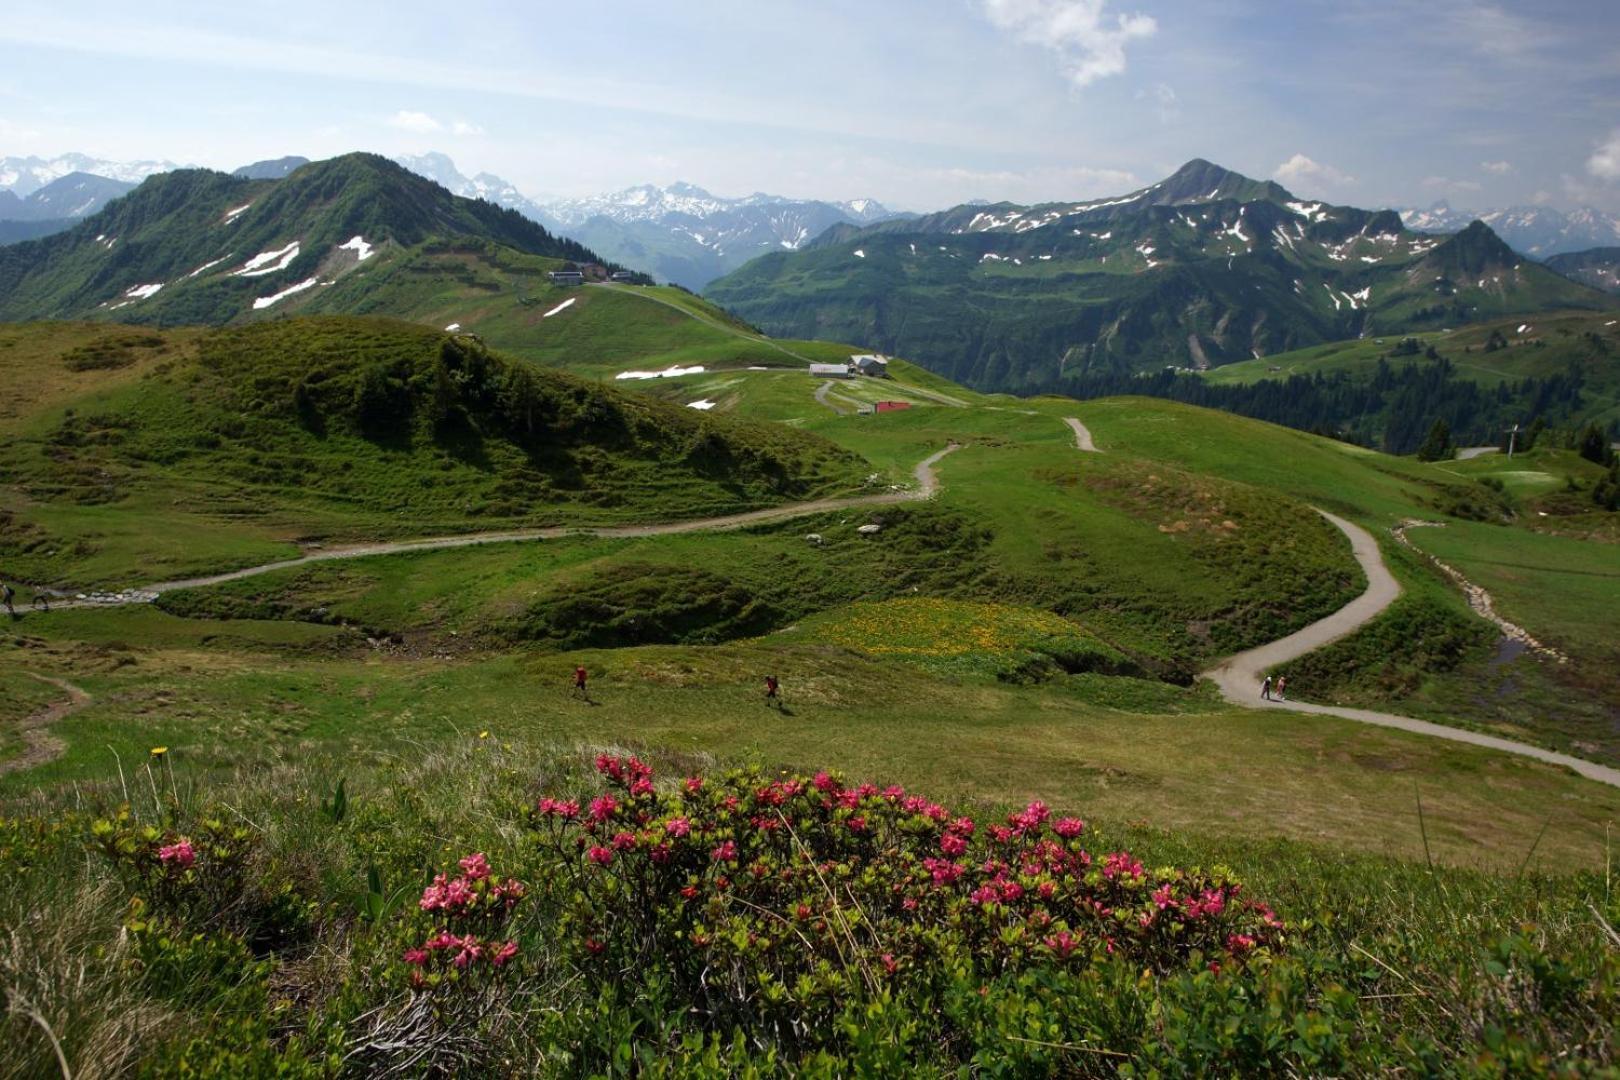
x: 1204, y: 268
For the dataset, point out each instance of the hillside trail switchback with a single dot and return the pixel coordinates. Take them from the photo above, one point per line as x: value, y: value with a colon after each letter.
x: 927, y: 483
x: 1238, y: 677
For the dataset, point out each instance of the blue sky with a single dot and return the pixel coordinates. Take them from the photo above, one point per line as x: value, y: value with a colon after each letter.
x: 920, y: 104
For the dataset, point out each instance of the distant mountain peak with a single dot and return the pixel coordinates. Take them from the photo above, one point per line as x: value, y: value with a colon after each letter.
x: 1203, y: 181
x: 23, y: 176
x: 681, y: 187
x: 272, y: 168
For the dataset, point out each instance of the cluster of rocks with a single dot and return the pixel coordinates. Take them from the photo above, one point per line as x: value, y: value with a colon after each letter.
x: 125, y: 596
x: 1478, y: 599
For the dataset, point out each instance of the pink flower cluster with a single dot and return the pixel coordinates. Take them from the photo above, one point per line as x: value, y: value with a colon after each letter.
x: 477, y: 904
x: 758, y: 868
x: 178, y: 855
x: 463, y: 951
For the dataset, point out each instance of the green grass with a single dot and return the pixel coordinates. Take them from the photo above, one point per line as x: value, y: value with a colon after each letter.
x: 1383, y: 964
x: 247, y: 695
x: 1553, y: 343
x: 219, y: 450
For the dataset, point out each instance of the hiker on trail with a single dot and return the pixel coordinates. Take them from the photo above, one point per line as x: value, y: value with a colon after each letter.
x: 7, y: 595
x: 579, y: 684
x: 1282, y: 686
x: 1265, y: 688
x: 771, y: 688
x: 42, y: 601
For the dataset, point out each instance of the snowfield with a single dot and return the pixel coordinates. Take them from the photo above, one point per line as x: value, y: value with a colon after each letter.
x: 667, y: 373
x: 233, y: 214
x: 564, y: 306
x: 207, y: 266
x: 265, y: 301
x: 702, y: 406
x: 269, y: 262
x: 358, y: 245
x: 141, y: 292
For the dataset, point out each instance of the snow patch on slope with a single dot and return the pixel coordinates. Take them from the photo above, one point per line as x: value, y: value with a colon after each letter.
x: 269, y: 262
x: 265, y: 301
x: 358, y: 245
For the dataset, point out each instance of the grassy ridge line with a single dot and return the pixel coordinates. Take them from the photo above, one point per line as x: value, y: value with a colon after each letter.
x: 337, y: 428
x: 924, y: 475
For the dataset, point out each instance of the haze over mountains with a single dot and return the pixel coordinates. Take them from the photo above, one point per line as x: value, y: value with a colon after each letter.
x: 1204, y: 268
x: 1539, y: 231
x: 681, y: 233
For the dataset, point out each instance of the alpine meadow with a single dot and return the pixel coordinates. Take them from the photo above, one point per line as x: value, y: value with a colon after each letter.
x: 1029, y: 538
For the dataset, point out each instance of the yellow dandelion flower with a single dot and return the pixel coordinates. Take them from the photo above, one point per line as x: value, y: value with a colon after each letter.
x: 483, y: 734
x: 159, y: 751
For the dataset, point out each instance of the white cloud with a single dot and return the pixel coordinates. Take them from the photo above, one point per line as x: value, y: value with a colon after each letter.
x: 1089, y: 43
x: 1605, y: 160
x: 419, y: 122
x: 1497, y: 168
x: 422, y: 123
x: 1300, y: 169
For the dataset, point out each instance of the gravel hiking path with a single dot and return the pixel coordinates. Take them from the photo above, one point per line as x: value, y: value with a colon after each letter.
x: 821, y: 395
x: 1239, y: 676
x: 927, y: 483
x: 1082, y: 435
x: 39, y: 745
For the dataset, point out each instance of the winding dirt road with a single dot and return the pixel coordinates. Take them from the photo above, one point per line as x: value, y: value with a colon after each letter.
x: 1239, y: 676
x: 39, y: 744
x: 927, y: 483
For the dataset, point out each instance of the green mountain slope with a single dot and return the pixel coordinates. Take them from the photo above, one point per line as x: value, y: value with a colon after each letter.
x: 1203, y: 269
x: 1598, y: 267
x: 129, y: 452
x: 195, y: 246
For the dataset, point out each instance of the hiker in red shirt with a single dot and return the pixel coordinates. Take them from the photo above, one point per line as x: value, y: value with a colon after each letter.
x: 771, y: 687
x: 579, y: 684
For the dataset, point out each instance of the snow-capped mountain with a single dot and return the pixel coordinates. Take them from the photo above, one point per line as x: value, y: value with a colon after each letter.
x: 1539, y: 231
x: 687, y: 235
x: 442, y: 171
x: 22, y: 176
x: 59, y: 203
x: 679, y: 233
x: 648, y: 202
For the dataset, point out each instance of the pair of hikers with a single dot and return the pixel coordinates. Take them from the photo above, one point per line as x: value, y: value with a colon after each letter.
x: 773, y: 688
x: 1274, y: 691
x: 8, y: 598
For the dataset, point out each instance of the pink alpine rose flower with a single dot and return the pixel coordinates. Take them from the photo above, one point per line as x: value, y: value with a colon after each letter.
x: 180, y: 853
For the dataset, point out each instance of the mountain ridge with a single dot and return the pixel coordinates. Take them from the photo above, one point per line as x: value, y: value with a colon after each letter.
x: 205, y: 247
x: 1203, y: 268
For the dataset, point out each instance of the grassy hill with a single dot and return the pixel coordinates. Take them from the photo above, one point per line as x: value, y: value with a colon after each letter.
x: 1204, y: 269
x: 199, y: 247
x: 1499, y: 356
x: 312, y: 745
x: 179, y: 451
